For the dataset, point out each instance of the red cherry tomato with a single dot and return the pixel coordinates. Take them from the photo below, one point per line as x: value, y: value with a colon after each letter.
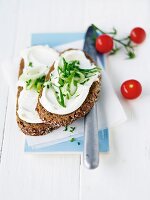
x: 131, y: 89
x: 138, y: 35
x: 104, y: 43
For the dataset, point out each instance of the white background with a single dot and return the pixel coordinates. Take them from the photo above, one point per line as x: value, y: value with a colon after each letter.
x: 124, y: 173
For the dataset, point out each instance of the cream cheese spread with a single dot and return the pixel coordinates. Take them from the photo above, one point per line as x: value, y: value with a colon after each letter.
x: 48, y: 98
x: 37, y: 62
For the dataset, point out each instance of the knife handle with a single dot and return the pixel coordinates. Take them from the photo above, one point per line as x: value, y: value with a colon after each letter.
x: 91, y: 147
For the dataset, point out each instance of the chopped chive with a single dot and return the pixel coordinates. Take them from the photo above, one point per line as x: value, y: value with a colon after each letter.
x: 86, y: 80
x: 61, y: 98
x: 30, y: 64
x: 66, y: 128
x: 68, y: 96
x: 36, y: 84
x: 61, y: 82
x: 72, y: 129
x: 70, y: 76
x: 28, y: 82
x: 78, y: 143
x: 72, y: 139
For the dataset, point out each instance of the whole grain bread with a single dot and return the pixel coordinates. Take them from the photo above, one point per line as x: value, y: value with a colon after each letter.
x: 55, y: 120
x: 33, y: 129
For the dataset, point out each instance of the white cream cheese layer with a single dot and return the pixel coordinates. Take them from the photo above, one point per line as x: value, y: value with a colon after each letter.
x: 37, y: 62
x: 80, y: 56
x: 48, y: 98
x: 27, y: 104
x: 39, y: 56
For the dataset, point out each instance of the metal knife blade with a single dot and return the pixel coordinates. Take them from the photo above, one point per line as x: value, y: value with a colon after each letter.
x: 89, y: 43
x: 91, y: 147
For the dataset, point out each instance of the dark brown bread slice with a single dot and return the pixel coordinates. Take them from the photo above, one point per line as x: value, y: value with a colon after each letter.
x: 55, y: 120
x: 33, y: 129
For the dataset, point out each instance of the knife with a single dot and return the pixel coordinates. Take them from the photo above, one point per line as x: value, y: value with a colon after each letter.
x: 91, y: 147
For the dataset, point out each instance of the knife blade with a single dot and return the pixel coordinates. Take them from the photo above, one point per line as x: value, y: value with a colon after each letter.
x: 91, y: 147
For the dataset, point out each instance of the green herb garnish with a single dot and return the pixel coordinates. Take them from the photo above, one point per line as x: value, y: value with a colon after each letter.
x: 72, y: 129
x: 85, y: 81
x: 61, y: 98
x: 28, y: 83
x: 72, y: 139
x: 70, y: 76
x: 36, y: 84
x: 30, y: 64
x: 66, y: 128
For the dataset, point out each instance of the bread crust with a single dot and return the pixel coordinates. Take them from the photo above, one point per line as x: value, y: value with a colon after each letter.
x: 55, y: 120
x: 33, y: 129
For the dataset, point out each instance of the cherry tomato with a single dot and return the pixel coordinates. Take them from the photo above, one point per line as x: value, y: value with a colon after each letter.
x: 104, y: 43
x: 138, y: 35
x: 131, y: 89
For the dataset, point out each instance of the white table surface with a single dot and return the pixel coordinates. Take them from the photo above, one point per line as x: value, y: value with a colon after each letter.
x: 124, y: 173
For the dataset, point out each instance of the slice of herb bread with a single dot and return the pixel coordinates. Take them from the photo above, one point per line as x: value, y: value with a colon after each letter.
x: 33, y: 129
x: 68, y: 90
x: 32, y: 72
